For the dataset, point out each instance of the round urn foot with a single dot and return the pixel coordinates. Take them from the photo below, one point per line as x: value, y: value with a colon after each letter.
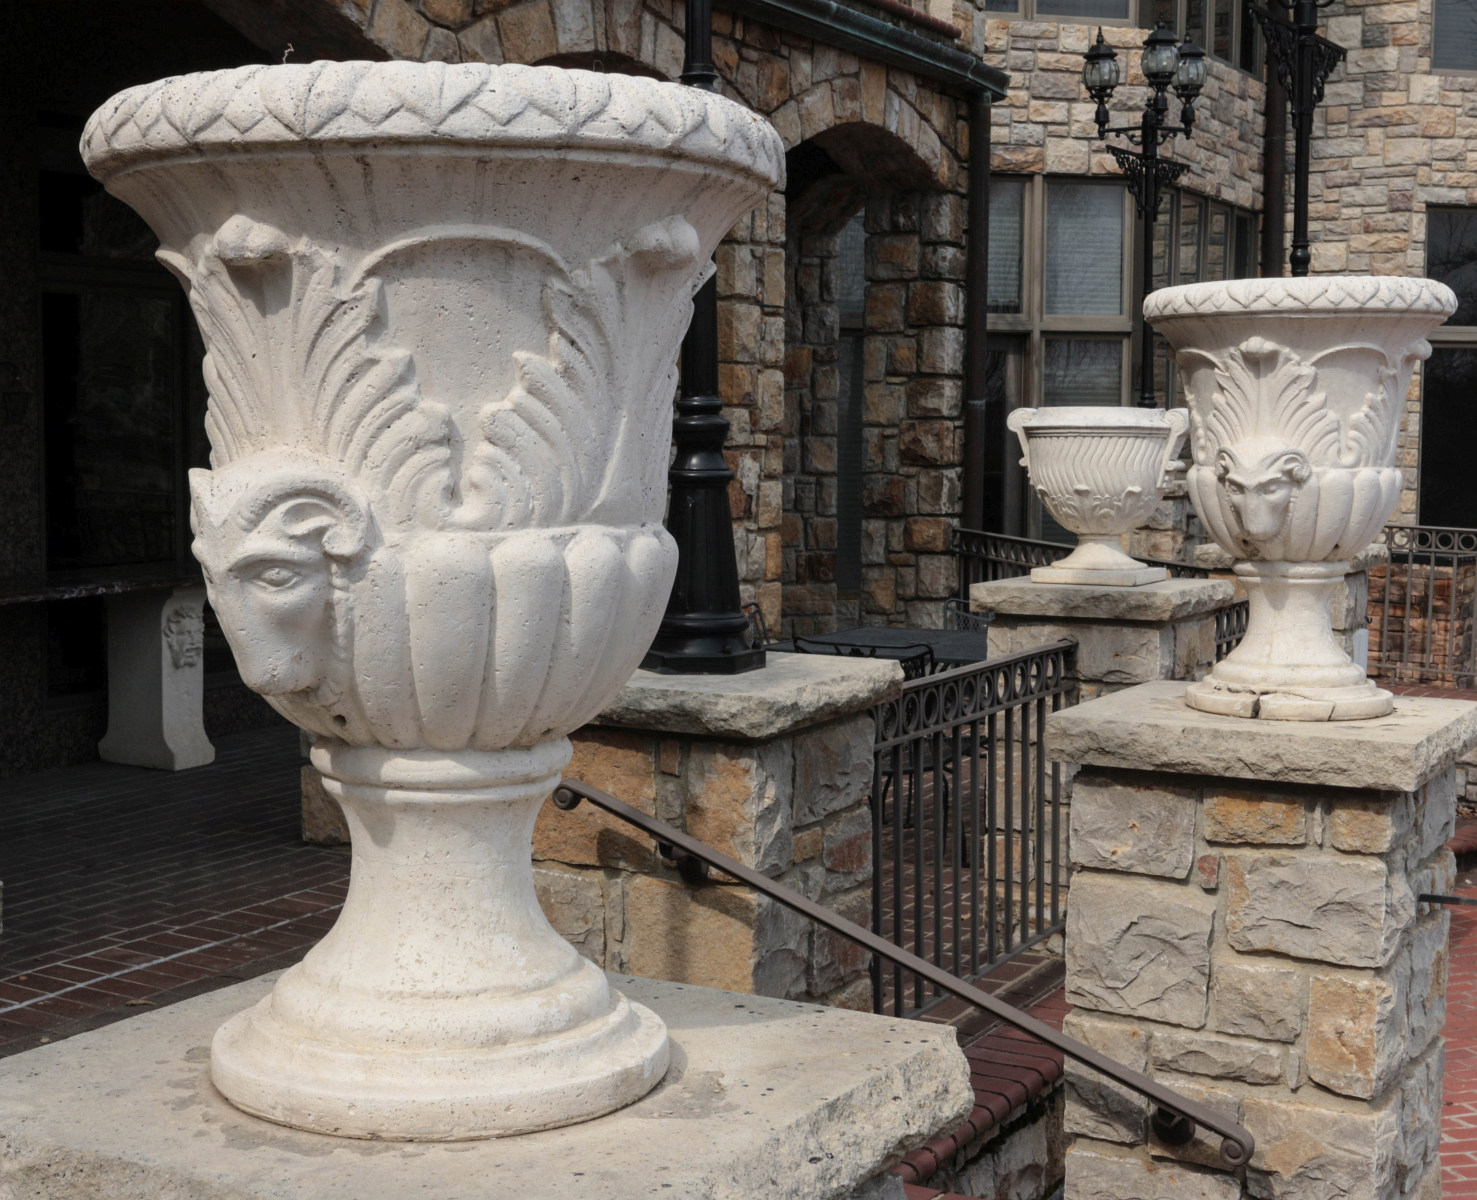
x: 270, y: 1069
x: 1355, y: 703
x: 442, y: 1005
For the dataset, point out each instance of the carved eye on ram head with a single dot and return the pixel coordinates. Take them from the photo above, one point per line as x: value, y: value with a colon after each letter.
x: 280, y: 544
x: 1259, y: 478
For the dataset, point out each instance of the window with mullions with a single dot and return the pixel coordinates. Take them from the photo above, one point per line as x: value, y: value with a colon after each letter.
x: 1196, y: 240
x: 1225, y: 28
x: 1449, y: 376
x: 1060, y: 304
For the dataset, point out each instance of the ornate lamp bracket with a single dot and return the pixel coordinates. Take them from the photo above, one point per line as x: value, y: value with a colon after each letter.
x: 1147, y: 178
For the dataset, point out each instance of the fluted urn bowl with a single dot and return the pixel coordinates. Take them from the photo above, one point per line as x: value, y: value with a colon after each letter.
x: 1100, y: 472
x: 1296, y: 389
x: 442, y: 306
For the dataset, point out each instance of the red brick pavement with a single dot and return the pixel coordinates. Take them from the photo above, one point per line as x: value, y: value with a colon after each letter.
x: 1459, y: 1112
x: 127, y: 888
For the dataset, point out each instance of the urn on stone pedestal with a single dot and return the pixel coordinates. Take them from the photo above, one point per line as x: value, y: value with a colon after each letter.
x: 1100, y: 472
x: 1296, y: 388
x: 442, y: 306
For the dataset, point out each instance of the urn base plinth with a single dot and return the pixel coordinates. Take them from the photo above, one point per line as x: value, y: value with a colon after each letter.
x: 442, y: 1006
x: 1289, y: 666
x: 1099, y: 561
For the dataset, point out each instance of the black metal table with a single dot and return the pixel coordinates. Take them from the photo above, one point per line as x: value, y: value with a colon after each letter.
x: 951, y: 647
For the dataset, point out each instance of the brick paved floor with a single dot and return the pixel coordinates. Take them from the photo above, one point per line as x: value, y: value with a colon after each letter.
x: 127, y: 887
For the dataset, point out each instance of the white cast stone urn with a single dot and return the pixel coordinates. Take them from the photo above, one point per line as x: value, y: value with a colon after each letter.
x: 1100, y: 472
x: 442, y: 306
x: 1296, y: 389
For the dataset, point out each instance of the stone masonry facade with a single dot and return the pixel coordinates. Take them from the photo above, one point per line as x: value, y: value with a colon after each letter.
x: 1260, y: 949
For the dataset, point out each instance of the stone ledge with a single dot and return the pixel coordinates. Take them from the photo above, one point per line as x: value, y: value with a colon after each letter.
x: 1169, y: 600
x: 1150, y: 728
x: 766, y: 1099
x: 792, y: 692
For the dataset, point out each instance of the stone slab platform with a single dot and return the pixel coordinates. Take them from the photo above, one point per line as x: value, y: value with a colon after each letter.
x: 1169, y: 600
x: 766, y: 1100
x: 1150, y: 728
x: 794, y: 691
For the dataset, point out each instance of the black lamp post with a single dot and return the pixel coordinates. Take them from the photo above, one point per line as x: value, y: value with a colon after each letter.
x: 1304, y: 61
x: 704, y: 631
x: 1165, y: 65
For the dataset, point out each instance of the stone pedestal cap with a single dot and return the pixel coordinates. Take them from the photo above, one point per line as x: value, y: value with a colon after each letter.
x: 765, y: 1098
x: 1170, y: 600
x: 792, y: 692
x: 1150, y: 728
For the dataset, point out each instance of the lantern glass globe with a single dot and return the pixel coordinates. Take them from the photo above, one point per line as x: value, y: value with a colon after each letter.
x: 1161, y: 58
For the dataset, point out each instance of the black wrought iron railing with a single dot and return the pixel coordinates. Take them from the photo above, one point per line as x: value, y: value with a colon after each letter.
x: 1176, y: 1117
x: 1423, y: 607
x: 967, y: 829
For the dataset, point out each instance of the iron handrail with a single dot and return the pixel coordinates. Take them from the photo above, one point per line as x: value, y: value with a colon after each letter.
x: 1177, y: 1117
x: 962, y: 538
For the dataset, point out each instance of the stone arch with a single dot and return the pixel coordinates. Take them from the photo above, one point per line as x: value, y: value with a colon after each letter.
x: 872, y: 394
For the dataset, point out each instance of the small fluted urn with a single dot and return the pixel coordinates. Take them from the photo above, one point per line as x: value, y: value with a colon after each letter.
x: 1100, y: 472
x: 1296, y: 389
x: 442, y: 306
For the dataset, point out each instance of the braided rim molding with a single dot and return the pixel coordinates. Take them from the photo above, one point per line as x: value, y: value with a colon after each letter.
x: 471, y: 104
x: 1311, y: 294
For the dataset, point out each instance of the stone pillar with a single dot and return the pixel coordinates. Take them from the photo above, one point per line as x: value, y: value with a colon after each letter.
x: 156, y: 680
x: 1245, y: 927
x: 773, y: 768
x: 1124, y: 635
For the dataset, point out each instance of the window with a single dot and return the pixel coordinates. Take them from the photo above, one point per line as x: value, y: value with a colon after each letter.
x: 1060, y: 305
x: 1108, y: 12
x: 1195, y: 240
x: 851, y: 298
x: 1449, y: 376
x: 1225, y: 28
x: 1454, y: 39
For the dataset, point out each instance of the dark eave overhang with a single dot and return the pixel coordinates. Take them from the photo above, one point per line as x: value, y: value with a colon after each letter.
x: 870, y: 37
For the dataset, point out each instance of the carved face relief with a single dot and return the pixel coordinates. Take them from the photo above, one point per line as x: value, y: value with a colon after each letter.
x: 273, y: 555
x: 1259, y: 479
x: 184, y: 635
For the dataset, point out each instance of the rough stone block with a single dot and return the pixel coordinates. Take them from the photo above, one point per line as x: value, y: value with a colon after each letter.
x: 1216, y: 1057
x: 1309, y: 1152
x: 1357, y: 1030
x: 1120, y: 825
x: 574, y: 902
x: 1096, y: 1106
x: 1140, y: 948
x: 1341, y: 910
x: 1098, y: 1172
x: 833, y: 767
x: 702, y: 936
x: 622, y: 764
x: 1255, y: 1000
x: 739, y: 800
x: 1369, y: 826
x: 1236, y: 816
x: 1426, y: 1008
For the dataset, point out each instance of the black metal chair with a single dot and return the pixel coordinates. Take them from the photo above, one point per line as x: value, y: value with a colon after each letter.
x: 917, y: 660
x: 958, y: 616
x: 757, y: 635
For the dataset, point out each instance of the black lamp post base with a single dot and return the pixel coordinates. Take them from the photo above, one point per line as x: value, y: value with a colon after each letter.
x: 703, y: 656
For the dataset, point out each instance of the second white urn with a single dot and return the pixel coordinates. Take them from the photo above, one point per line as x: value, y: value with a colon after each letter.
x: 1100, y: 472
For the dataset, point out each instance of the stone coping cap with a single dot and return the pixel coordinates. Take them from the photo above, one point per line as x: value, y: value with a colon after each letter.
x: 790, y: 693
x: 1168, y: 600
x: 764, y: 1098
x: 1213, y: 558
x: 1150, y: 728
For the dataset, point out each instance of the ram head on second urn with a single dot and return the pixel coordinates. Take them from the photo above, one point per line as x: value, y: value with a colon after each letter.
x: 1261, y: 479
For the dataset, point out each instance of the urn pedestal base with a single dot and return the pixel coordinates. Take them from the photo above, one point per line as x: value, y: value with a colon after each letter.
x: 442, y: 1006
x: 1289, y: 666
x: 1099, y: 561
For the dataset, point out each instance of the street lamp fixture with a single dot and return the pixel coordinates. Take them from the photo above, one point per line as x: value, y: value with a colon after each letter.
x: 1304, y: 61
x: 1165, y: 64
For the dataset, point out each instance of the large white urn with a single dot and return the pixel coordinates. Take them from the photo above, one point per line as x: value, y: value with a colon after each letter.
x: 1100, y: 472
x: 1296, y: 389
x: 442, y: 306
